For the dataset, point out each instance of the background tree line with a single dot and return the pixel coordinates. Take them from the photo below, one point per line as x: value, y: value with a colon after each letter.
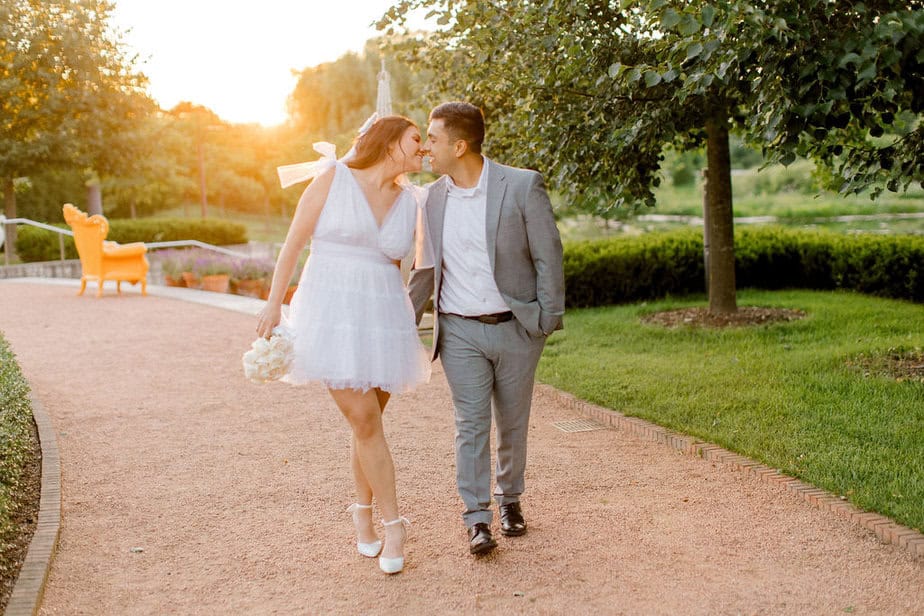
x: 599, y: 96
x: 76, y: 123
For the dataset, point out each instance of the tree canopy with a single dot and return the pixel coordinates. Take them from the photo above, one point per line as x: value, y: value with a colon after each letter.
x: 592, y: 92
x: 68, y: 90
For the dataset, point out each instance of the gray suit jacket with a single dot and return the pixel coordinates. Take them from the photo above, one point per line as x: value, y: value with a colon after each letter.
x: 524, y: 249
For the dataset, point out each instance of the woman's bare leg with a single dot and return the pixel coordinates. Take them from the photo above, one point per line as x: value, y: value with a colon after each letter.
x: 365, y: 528
x: 364, y: 413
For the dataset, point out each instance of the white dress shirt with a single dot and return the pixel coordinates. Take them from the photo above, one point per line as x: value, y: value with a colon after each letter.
x: 468, y: 287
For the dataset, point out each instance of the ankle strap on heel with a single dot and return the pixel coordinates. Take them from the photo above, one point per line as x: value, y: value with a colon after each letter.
x: 401, y: 520
x: 358, y: 506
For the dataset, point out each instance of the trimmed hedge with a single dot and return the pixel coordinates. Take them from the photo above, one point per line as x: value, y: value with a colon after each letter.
x: 34, y: 244
x: 15, y: 442
x: 632, y: 269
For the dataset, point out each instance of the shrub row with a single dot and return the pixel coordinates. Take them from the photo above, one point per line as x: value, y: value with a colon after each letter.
x: 15, y: 443
x: 631, y: 269
x: 34, y: 244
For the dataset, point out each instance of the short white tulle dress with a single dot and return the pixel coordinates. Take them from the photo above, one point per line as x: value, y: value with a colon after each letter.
x: 351, y: 319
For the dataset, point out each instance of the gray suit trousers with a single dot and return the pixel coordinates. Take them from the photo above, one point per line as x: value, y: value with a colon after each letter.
x: 485, y: 362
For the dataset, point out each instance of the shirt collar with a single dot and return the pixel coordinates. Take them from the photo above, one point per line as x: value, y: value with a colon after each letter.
x: 475, y: 191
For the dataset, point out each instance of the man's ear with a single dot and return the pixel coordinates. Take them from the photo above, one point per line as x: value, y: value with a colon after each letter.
x: 461, y: 147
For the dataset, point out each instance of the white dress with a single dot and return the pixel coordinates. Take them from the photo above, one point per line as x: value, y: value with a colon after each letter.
x: 351, y: 318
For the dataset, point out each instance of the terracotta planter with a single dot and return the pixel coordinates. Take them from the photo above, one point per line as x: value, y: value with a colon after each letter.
x: 289, y: 293
x: 250, y: 287
x: 191, y: 280
x: 170, y: 281
x: 218, y: 283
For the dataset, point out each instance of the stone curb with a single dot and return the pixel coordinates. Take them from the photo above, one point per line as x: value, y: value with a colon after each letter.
x: 30, y: 584
x: 884, y: 528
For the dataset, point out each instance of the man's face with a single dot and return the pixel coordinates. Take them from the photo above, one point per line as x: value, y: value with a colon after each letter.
x: 441, y: 147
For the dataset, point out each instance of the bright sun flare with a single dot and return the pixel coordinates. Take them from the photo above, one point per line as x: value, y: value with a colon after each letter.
x: 237, y: 58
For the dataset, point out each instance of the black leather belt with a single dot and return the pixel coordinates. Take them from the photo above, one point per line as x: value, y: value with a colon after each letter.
x: 490, y: 319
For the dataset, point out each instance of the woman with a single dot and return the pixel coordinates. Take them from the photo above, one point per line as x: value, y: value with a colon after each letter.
x: 352, y: 321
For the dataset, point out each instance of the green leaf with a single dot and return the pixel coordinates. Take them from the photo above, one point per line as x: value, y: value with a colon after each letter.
x: 694, y: 50
x: 614, y: 70
x: 652, y: 78
x: 670, y: 19
x: 848, y: 58
x: 689, y: 25
x: 708, y: 15
x: 868, y: 72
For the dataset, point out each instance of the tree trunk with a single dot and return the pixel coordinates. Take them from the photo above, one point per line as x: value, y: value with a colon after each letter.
x: 94, y: 198
x: 718, y: 215
x: 706, y: 226
x: 9, y: 199
x: 203, y: 198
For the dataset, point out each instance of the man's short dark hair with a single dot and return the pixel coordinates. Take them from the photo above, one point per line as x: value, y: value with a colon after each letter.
x: 463, y: 121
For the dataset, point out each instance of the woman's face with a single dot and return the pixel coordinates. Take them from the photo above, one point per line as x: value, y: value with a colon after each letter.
x: 408, y: 152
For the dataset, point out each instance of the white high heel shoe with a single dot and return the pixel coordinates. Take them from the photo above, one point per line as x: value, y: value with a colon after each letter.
x: 369, y: 550
x: 394, y: 565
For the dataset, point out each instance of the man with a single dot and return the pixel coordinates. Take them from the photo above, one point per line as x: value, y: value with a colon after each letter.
x: 492, y: 253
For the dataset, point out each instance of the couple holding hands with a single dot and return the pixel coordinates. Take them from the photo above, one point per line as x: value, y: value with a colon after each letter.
x: 488, y: 253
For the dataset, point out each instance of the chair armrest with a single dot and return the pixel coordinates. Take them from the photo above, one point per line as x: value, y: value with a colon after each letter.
x: 112, y: 249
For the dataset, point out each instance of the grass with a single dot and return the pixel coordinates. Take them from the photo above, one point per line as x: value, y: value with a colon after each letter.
x: 749, y: 199
x: 782, y: 394
x: 791, y: 199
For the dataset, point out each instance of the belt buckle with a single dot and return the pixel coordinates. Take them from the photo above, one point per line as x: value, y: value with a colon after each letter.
x: 489, y: 319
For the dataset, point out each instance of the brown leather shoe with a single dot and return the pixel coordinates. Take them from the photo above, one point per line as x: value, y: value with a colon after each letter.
x: 512, y: 522
x: 480, y: 540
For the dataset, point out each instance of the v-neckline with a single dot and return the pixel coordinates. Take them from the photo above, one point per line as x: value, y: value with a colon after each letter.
x: 378, y: 226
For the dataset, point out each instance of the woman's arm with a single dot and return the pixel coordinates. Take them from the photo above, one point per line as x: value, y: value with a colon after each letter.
x: 300, y: 231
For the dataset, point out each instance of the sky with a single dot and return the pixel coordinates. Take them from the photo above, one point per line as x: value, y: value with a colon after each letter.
x: 236, y: 57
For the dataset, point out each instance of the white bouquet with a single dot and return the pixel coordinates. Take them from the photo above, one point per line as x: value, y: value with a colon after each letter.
x: 269, y: 360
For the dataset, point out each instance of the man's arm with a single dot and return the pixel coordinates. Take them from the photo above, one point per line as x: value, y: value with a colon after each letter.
x: 546, y: 250
x: 420, y: 283
x: 420, y: 288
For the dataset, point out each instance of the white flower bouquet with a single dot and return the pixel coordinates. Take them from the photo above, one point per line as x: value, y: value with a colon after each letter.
x: 269, y: 359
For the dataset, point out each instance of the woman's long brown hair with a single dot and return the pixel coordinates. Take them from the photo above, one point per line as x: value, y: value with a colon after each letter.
x: 372, y: 146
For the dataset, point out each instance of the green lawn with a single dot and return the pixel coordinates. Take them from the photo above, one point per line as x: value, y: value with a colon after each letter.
x: 790, y: 201
x: 782, y: 394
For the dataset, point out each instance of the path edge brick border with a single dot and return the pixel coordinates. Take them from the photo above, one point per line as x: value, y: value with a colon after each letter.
x: 26, y: 597
x: 885, y: 529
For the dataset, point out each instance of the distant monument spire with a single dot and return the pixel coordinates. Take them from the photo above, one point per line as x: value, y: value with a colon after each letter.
x: 383, y: 98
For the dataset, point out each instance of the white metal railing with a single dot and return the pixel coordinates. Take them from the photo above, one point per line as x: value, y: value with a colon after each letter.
x: 7, y: 222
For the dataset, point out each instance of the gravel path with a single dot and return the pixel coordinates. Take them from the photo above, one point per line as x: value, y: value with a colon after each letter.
x: 237, y: 495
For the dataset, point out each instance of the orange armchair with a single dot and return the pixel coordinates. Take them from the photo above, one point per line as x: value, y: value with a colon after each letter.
x: 101, y: 260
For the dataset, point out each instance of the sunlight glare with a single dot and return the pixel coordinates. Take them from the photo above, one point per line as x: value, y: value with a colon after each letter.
x: 238, y: 58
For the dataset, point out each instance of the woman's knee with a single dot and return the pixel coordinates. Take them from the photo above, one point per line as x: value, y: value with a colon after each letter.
x: 362, y: 412
x: 366, y: 426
